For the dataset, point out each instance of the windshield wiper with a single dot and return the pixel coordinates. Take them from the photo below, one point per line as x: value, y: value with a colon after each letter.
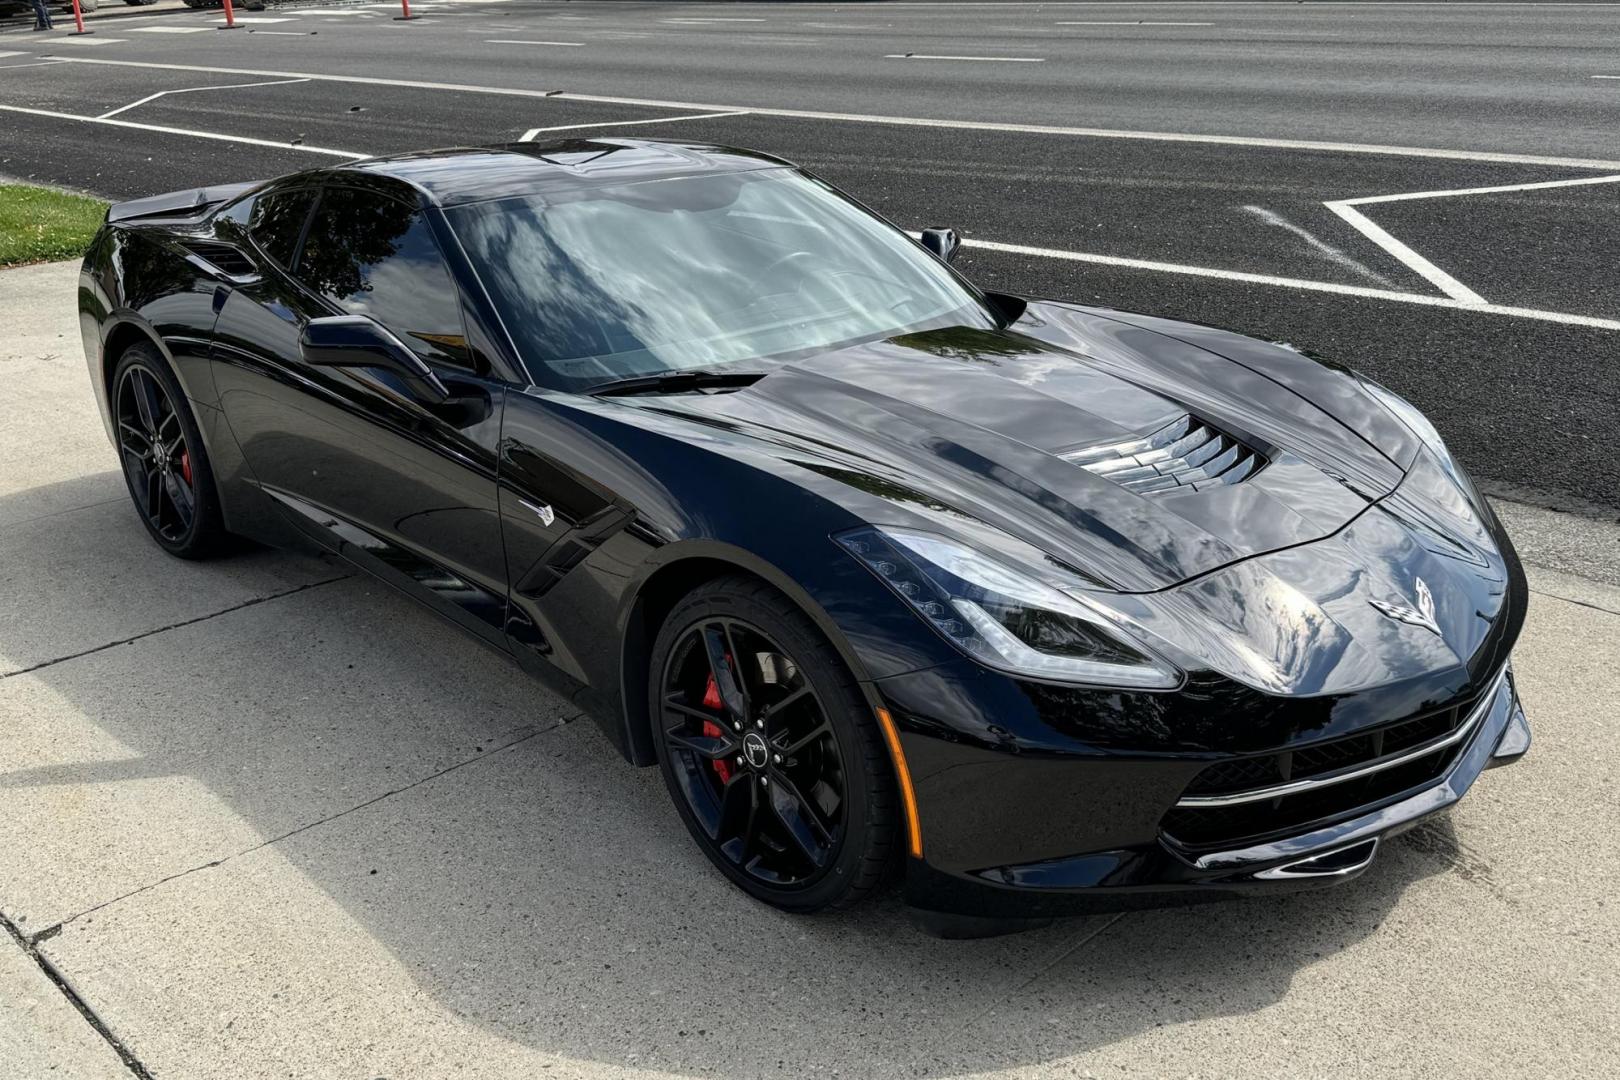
x: 674, y: 382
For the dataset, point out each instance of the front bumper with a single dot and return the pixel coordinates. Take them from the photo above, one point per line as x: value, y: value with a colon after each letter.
x: 1126, y: 800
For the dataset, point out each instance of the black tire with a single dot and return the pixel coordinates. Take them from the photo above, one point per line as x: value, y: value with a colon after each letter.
x: 196, y: 5
x: 172, y: 485
x: 854, y: 831
x: 139, y: 3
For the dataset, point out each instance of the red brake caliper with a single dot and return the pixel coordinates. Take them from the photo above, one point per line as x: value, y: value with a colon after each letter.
x: 185, y: 471
x: 711, y: 700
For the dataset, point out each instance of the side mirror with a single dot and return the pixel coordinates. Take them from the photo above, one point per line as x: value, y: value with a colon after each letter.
x: 942, y: 242
x: 358, y: 341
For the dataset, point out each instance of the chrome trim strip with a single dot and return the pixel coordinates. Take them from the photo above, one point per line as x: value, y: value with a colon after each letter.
x: 1299, y: 868
x: 1461, y: 732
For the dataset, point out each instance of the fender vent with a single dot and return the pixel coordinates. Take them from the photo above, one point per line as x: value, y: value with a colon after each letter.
x: 1185, y: 453
x: 222, y: 257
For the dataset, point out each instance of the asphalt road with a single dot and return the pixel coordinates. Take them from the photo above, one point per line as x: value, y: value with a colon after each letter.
x: 1173, y: 158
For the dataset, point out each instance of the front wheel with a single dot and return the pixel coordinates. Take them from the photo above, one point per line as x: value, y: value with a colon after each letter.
x: 166, y: 467
x: 769, y: 750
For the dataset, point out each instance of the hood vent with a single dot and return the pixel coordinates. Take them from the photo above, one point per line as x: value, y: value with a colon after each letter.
x: 1185, y: 453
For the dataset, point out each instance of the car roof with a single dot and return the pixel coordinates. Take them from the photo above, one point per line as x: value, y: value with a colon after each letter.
x: 466, y: 174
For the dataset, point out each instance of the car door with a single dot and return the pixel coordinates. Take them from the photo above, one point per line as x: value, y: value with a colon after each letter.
x: 402, y: 485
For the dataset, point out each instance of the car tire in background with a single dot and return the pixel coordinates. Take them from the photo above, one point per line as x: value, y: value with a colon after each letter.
x: 198, y: 4
x: 787, y: 786
x: 139, y: 3
x: 161, y: 452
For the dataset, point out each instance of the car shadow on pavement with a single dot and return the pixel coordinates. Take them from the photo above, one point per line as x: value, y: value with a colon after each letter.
x: 531, y: 883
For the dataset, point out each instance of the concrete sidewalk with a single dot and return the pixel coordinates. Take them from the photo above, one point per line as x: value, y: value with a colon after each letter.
x: 261, y: 817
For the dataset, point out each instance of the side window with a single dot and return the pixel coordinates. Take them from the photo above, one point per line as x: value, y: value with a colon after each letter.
x: 276, y: 219
x: 372, y: 255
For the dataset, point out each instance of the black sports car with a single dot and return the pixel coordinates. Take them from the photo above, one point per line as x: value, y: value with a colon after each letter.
x: 1049, y: 606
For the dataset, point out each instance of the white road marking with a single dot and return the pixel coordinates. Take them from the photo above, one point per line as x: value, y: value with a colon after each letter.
x: 1131, y: 22
x: 283, y: 33
x: 250, y: 19
x: 91, y: 41
x: 716, y: 18
x: 41, y: 63
x: 195, y: 89
x: 5, y: 54
x: 1346, y: 209
x: 214, y: 135
x: 906, y: 121
x: 995, y: 59
x: 514, y: 41
x: 1297, y: 283
x: 1403, y: 254
x: 1271, y: 217
x: 528, y: 136
x: 169, y: 29
x: 1540, y: 185
x: 1606, y: 76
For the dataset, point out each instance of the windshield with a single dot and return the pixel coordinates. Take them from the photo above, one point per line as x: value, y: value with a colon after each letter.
x: 668, y: 275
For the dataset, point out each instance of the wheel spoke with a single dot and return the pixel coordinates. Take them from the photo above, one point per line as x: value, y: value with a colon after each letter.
x: 674, y: 704
x: 147, y: 403
x: 801, y: 741
x: 173, y: 419
x: 154, y: 489
x: 179, y: 498
x: 711, y: 747
x: 130, y: 431
x: 776, y: 709
x: 739, y: 815
x: 716, y: 642
x: 801, y: 822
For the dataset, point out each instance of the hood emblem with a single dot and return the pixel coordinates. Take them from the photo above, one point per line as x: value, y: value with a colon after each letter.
x: 1422, y: 615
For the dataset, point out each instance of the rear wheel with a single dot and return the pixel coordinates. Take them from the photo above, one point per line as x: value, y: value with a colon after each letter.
x: 166, y: 467
x: 769, y: 750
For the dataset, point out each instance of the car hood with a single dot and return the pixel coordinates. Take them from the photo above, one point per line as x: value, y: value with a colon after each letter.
x: 968, y: 429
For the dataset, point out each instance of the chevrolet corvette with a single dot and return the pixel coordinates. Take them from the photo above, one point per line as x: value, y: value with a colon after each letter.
x: 1030, y: 606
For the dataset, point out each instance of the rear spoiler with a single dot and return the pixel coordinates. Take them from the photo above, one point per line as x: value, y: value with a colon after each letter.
x: 192, y: 202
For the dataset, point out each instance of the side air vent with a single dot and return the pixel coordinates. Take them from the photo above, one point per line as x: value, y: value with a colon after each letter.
x: 1185, y: 453
x: 222, y: 257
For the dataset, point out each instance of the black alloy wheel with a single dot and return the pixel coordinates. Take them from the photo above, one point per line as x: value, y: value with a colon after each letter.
x: 165, y: 465
x: 769, y: 750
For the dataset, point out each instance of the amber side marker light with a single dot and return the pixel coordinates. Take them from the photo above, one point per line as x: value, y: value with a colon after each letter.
x: 913, y: 827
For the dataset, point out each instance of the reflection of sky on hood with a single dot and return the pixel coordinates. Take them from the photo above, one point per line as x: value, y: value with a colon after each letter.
x: 698, y: 271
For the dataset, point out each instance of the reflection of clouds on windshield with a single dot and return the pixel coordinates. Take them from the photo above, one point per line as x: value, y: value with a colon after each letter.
x: 699, y: 271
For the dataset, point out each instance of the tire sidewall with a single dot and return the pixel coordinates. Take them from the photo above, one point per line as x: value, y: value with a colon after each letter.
x: 844, y: 709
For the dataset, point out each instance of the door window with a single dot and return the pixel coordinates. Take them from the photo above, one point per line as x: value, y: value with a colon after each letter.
x: 372, y: 255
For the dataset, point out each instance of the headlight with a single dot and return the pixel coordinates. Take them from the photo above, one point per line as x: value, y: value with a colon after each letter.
x: 1003, y: 617
x: 1409, y: 415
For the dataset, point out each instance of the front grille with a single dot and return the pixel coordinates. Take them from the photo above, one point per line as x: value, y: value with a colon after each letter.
x: 1185, y: 454
x: 1226, y: 805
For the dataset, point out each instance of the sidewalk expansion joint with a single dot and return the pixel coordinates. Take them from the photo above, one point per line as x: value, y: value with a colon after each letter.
x: 222, y: 860
x: 1571, y: 600
x: 175, y: 626
x: 60, y: 981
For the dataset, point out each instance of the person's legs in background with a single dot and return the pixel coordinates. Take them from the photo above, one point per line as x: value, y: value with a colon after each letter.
x: 42, y: 15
